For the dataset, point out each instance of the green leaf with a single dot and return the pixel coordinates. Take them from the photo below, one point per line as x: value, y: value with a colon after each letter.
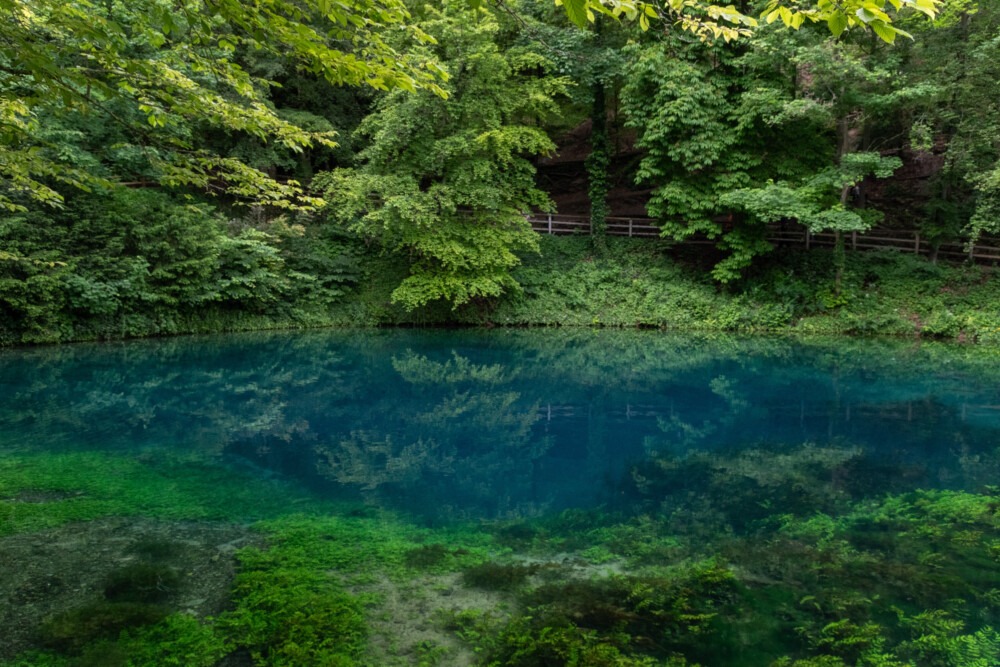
x: 865, y: 15
x: 885, y: 31
x: 577, y: 11
x: 837, y: 24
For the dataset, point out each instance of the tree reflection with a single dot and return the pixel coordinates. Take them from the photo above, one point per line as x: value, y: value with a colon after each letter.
x: 507, y: 423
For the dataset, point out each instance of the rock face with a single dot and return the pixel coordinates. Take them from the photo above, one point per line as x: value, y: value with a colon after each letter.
x: 564, y: 174
x: 902, y: 198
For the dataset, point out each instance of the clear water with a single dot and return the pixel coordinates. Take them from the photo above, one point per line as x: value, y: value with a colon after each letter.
x: 449, y: 429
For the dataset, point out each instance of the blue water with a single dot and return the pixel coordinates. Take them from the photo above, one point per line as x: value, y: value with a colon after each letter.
x: 729, y: 499
x: 503, y: 424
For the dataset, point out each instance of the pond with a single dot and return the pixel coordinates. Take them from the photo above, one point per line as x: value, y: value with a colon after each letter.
x: 507, y: 497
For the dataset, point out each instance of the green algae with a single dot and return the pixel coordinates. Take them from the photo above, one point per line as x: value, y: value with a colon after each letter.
x: 82, y: 486
x: 498, y: 576
x: 903, y: 580
x: 770, y: 555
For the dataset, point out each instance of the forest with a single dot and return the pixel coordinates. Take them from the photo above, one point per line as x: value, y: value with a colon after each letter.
x: 428, y: 477
x: 205, y: 166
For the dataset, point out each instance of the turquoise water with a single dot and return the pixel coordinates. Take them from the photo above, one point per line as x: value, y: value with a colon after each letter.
x: 542, y: 446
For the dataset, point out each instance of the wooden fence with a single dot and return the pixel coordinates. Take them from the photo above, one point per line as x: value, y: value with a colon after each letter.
x: 987, y: 250
x: 551, y: 223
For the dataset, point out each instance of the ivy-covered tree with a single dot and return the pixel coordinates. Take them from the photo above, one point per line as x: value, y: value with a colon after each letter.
x: 448, y: 181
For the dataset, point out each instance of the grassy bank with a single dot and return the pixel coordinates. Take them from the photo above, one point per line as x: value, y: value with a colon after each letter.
x: 649, y: 284
x: 633, y: 283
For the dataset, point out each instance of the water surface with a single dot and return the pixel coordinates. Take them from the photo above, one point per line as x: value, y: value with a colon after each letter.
x: 510, y: 434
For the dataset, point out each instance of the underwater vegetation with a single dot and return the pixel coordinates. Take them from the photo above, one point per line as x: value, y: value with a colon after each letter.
x: 141, y: 582
x: 71, y: 631
x: 671, y: 574
x: 132, y: 623
x: 841, y: 576
x: 770, y: 555
x: 498, y: 576
x: 86, y: 485
x: 433, y: 556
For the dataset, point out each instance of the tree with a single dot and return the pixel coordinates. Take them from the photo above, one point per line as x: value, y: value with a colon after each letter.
x: 161, y: 71
x: 714, y: 21
x: 712, y: 119
x: 781, y: 120
x: 840, y: 86
x: 818, y: 201
x: 447, y: 180
x: 962, y: 58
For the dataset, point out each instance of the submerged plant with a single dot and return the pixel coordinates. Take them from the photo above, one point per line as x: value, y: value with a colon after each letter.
x: 427, y: 556
x: 141, y: 582
x: 72, y: 630
x: 498, y: 576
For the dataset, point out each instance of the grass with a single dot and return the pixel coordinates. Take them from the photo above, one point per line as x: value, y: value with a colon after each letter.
x: 646, y: 283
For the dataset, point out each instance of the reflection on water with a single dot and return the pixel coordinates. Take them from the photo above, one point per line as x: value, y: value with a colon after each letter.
x: 507, y: 424
x: 515, y: 498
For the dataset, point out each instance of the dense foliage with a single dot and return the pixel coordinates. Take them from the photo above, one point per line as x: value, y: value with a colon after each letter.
x: 447, y: 181
x: 215, y: 166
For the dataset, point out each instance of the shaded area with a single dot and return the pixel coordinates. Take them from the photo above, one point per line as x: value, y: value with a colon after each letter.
x: 67, y: 586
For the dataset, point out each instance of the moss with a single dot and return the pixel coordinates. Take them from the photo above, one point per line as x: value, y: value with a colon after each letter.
x: 492, y: 576
x: 848, y: 577
x: 141, y: 582
x: 87, y: 485
x: 426, y: 556
x: 179, y: 640
x: 291, y: 605
x: 72, y: 630
x: 156, y: 550
x: 516, y: 534
x: 524, y: 642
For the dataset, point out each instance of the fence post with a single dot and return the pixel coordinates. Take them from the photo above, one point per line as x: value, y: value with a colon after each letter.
x: 854, y: 240
x: 972, y: 252
x: 630, y: 227
x: 549, y: 216
x: 916, y: 246
x: 808, y: 238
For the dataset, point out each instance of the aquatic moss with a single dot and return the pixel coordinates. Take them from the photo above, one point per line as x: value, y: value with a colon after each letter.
x: 88, y: 485
x: 156, y: 550
x: 493, y: 576
x: 426, y: 556
x: 295, y: 617
x: 141, y: 582
x: 291, y: 607
x: 524, y: 642
x: 908, y: 579
x: 177, y: 641
x: 70, y: 631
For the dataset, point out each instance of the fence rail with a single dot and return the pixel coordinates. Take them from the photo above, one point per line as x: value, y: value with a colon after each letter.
x: 906, y: 240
